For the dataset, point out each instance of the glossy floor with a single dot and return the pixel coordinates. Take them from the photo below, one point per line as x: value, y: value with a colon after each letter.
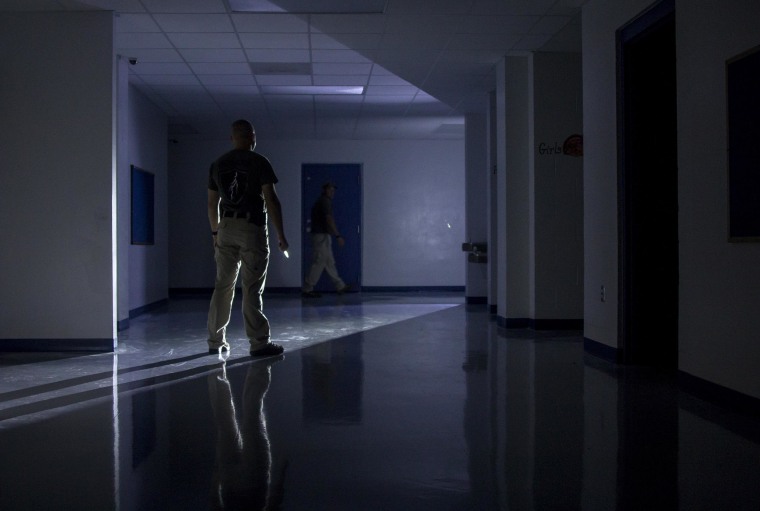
x: 381, y: 402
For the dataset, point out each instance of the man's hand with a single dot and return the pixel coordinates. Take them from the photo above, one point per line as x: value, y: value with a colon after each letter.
x: 282, y: 244
x: 341, y: 241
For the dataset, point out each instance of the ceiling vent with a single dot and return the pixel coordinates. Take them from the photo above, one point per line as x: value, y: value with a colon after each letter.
x: 281, y: 68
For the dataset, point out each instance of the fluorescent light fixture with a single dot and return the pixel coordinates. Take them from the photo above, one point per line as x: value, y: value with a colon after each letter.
x: 313, y: 89
x: 308, y: 7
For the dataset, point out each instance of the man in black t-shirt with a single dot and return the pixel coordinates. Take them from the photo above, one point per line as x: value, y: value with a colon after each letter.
x: 322, y: 226
x: 240, y: 195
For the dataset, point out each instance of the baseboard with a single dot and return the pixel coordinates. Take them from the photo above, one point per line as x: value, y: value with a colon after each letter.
x: 556, y: 324
x: 540, y: 324
x: 195, y: 292
x: 512, y: 322
x: 283, y: 290
x: 67, y: 345
x: 190, y: 292
x: 602, y: 351
x: 139, y: 311
x: 476, y: 300
x: 413, y: 289
x: 122, y: 325
x: 718, y: 395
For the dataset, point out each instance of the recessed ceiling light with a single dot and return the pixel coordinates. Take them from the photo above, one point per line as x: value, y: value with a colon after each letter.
x: 312, y: 89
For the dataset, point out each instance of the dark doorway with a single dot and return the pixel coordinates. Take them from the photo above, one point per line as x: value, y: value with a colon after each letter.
x: 648, y: 189
x: 347, y: 208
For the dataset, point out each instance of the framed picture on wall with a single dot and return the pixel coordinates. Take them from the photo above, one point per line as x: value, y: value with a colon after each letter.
x: 143, y: 189
x: 743, y: 110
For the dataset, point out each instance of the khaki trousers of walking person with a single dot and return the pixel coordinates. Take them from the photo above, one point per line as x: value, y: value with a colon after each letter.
x: 323, y: 260
x: 240, y: 246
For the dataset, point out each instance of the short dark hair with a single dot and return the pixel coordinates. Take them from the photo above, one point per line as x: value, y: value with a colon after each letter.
x: 242, y: 127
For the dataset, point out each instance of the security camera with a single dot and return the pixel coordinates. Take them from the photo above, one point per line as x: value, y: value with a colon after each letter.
x: 132, y: 61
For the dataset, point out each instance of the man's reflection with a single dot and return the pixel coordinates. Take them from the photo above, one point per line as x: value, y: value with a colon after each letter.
x: 243, y: 465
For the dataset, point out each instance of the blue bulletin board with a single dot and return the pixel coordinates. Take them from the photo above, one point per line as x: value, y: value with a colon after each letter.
x: 143, y: 191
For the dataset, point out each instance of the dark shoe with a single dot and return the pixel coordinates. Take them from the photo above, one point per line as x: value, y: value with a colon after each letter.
x: 310, y: 294
x: 270, y: 349
x: 344, y: 289
x: 220, y: 349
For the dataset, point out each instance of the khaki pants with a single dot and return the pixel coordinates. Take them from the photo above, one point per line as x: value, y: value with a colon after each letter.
x: 239, y: 245
x: 323, y: 260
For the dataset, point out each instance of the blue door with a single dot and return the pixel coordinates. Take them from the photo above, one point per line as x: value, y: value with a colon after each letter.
x: 346, y: 211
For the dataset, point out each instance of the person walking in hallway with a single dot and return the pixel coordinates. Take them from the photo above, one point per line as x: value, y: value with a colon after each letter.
x: 241, y: 198
x: 322, y: 228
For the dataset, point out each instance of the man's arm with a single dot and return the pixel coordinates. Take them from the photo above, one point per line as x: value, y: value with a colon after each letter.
x: 334, y: 229
x: 274, y: 209
x: 213, y: 211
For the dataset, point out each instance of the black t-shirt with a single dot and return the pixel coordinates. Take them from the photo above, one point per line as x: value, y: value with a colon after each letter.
x: 238, y: 177
x: 319, y: 212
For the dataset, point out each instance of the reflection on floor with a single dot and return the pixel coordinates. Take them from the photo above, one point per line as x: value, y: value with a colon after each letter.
x: 381, y: 402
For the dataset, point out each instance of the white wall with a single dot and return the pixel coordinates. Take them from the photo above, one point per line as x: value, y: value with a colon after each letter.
x: 514, y: 203
x: 147, y: 149
x: 557, y: 229
x: 57, y: 171
x: 720, y: 281
x: 413, y: 191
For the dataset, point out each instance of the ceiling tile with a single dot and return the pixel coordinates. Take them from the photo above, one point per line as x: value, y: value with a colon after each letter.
x: 338, y: 56
x: 414, y: 40
x: 141, y: 40
x: 144, y: 55
x: 195, y: 55
x: 230, y: 68
x: 184, y: 6
x: 161, y: 68
x: 427, y: 7
x: 297, y: 41
x: 392, y: 90
x: 283, y: 80
x: 349, y: 23
x: 496, y: 24
x: 550, y: 25
x: 246, y: 79
x: 322, y: 68
x: 278, y: 55
x: 269, y: 23
x: 121, y: 6
x: 212, y: 40
x: 502, y: 41
x: 171, y: 80
x: 135, y: 23
x: 532, y: 42
x: 355, y: 80
x: 345, y: 41
x: 194, y: 22
x: 512, y: 7
x: 428, y: 25
x: 388, y: 79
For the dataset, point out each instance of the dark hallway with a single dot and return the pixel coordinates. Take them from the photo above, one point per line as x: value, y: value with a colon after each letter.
x: 382, y: 401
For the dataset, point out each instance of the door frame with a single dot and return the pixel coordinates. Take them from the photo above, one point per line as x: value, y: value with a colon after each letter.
x: 351, y: 234
x: 629, y: 351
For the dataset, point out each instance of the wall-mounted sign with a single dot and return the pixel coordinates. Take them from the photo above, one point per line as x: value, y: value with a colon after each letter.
x: 572, y: 146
